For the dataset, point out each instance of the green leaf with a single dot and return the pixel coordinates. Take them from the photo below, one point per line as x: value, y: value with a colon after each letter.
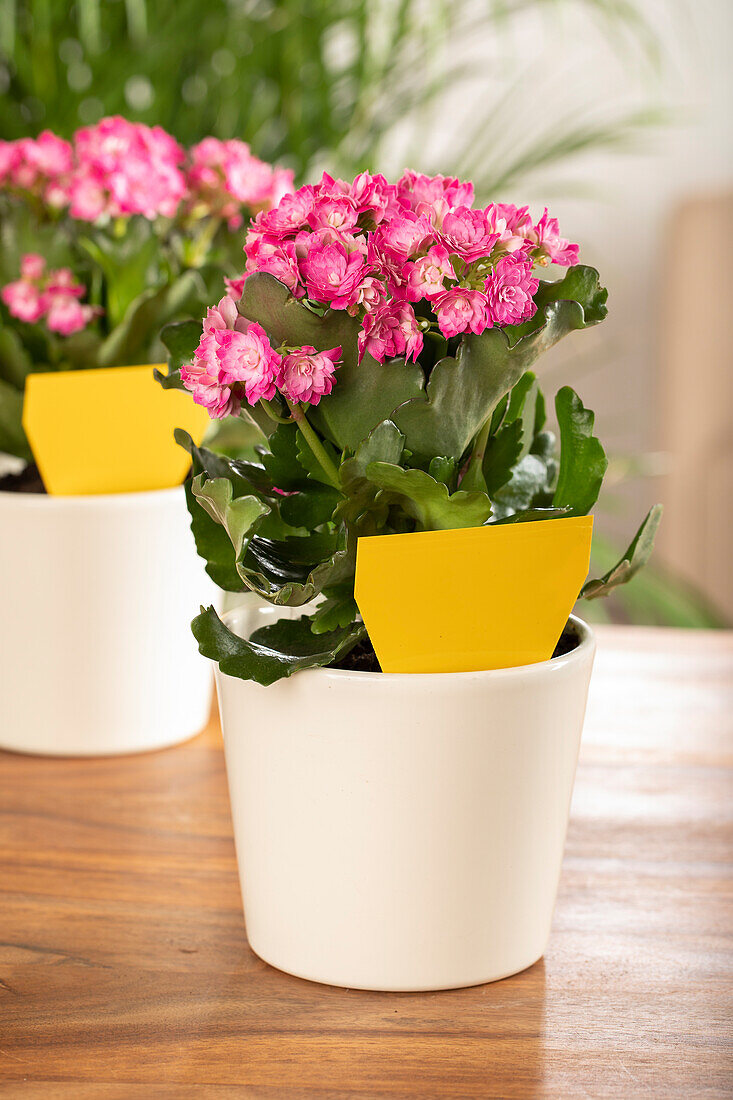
x: 281, y: 459
x: 528, y: 482
x: 463, y: 392
x: 442, y: 469
x: 137, y: 333
x: 15, y: 362
x: 237, y: 515
x: 310, y: 507
x: 310, y: 463
x: 384, y: 443
x: 531, y: 514
x: 365, y: 393
x: 181, y: 340
x: 212, y: 541
x: 427, y: 500
x: 12, y: 437
x: 583, y: 461
x: 580, y: 285
x: 273, y: 651
x: 293, y: 571
x: 635, y: 558
x: 131, y: 264
x: 503, y: 452
x: 337, y: 610
x: 213, y: 545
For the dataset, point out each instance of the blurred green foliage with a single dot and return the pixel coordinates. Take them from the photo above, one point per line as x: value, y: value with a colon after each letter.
x: 308, y: 83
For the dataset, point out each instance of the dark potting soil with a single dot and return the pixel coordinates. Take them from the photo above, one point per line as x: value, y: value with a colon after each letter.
x: 28, y: 480
x: 362, y: 657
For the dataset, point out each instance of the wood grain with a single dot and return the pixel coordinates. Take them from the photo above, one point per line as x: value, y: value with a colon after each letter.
x: 125, y: 971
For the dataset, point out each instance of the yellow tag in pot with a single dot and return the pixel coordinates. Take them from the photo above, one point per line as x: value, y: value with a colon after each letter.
x: 108, y: 430
x: 472, y: 599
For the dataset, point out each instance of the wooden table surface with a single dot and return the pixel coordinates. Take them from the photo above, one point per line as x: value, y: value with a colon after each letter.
x: 125, y: 971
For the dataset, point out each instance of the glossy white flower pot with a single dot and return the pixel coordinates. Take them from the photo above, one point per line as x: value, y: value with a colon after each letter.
x: 96, y: 598
x: 402, y: 832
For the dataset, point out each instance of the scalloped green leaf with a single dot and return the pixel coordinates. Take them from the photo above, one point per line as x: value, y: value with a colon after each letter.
x: 635, y: 558
x: 293, y: 571
x: 180, y: 340
x: 272, y: 652
x: 339, y: 609
x: 365, y: 393
x: 463, y: 392
x: 583, y: 461
x: 237, y: 515
x: 361, y: 507
x: 429, y: 501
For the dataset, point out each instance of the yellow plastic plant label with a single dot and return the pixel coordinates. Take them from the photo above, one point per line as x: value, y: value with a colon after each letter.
x: 108, y: 430
x: 472, y: 599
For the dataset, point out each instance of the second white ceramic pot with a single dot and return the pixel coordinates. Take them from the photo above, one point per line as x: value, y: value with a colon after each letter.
x: 97, y: 594
x: 402, y: 832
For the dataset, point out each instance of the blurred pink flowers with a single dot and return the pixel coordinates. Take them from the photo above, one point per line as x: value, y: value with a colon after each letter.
x: 224, y: 176
x: 125, y: 168
x: 52, y: 295
x: 117, y: 169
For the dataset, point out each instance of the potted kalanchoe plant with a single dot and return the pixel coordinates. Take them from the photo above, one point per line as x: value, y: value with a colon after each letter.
x: 104, y: 240
x: 394, y: 831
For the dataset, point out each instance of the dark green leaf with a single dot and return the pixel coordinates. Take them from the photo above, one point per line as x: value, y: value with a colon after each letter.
x: 337, y: 610
x: 365, y: 393
x: 583, y: 461
x: 12, y: 437
x: 310, y: 507
x: 281, y: 459
x: 293, y: 571
x: 137, y: 333
x: 181, y: 339
x: 532, y: 514
x: 237, y: 515
x: 463, y: 392
x: 503, y: 452
x: 427, y: 500
x: 634, y: 559
x: 274, y: 651
x: 442, y: 469
x: 527, y: 483
x: 15, y: 362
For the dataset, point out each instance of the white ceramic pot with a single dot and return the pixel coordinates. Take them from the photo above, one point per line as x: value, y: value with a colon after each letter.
x: 402, y: 832
x: 97, y: 594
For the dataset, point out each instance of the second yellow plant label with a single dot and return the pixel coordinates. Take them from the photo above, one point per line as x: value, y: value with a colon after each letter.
x: 108, y: 430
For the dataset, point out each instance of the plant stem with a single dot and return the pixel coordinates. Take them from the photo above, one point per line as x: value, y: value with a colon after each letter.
x: 319, y: 451
x: 474, y: 476
x: 273, y: 415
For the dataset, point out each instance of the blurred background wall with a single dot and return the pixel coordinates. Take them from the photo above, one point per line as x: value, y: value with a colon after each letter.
x: 614, y: 112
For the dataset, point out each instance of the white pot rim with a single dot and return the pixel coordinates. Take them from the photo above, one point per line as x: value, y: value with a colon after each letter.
x: 147, y: 497
x: 555, y: 665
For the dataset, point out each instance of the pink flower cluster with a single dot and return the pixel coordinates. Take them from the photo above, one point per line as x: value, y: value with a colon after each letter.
x: 235, y: 362
x: 224, y: 176
x: 120, y: 168
x: 406, y: 257
x: 40, y: 166
x: 53, y: 295
x: 125, y: 168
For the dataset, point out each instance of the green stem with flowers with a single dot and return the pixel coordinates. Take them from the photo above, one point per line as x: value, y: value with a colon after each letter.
x: 317, y: 448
